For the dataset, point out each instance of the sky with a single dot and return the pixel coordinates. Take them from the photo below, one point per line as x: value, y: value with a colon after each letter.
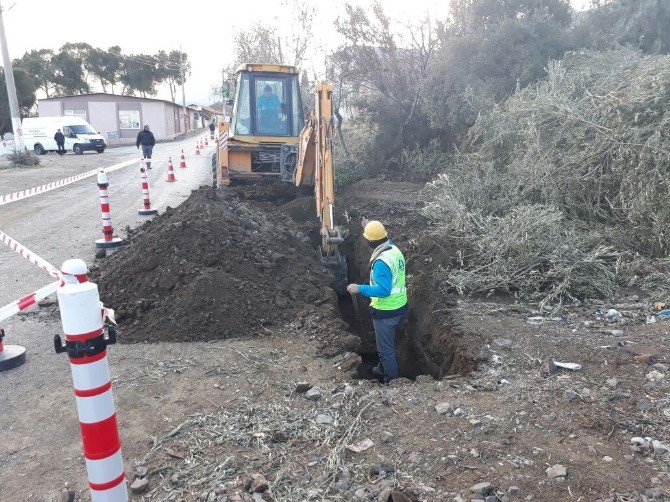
x: 205, y: 30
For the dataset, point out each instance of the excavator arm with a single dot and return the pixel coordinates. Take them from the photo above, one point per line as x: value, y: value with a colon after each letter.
x: 315, y: 168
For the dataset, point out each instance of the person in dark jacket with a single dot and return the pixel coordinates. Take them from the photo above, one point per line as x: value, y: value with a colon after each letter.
x: 211, y: 129
x: 59, y: 137
x: 146, y: 139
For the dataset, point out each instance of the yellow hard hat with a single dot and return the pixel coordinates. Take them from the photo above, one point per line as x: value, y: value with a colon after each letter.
x: 374, y: 231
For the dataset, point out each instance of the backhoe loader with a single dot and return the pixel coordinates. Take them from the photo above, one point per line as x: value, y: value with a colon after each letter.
x: 305, y: 160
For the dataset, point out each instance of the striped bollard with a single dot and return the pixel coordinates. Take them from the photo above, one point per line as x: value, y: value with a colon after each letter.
x: 108, y: 241
x: 182, y: 162
x: 86, y: 347
x: 146, y: 211
x: 170, y: 173
x: 11, y: 356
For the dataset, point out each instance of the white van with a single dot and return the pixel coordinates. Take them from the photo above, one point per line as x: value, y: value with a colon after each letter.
x: 38, y: 133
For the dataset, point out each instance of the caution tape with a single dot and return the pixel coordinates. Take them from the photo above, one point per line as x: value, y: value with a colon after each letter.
x: 27, y: 301
x: 30, y: 192
x: 29, y: 255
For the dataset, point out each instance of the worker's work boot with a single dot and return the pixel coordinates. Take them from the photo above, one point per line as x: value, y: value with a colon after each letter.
x: 378, y: 372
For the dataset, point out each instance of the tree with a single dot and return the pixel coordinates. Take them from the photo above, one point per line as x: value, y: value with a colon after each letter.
x: 641, y: 24
x: 140, y: 74
x: 105, y: 66
x: 383, y: 67
x: 170, y: 69
x: 40, y: 67
x: 25, y: 92
x: 69, y: 74
x: 264, y: 43
x: 81, y: 51
x: 489, y: 47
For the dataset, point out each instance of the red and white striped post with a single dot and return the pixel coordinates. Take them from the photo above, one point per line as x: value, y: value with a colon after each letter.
x: 11, y: 356
x: 170, y: 173
x: 182, y: 162
x: 86, y: 347
x: 108, y: 241
x: 146, y: 211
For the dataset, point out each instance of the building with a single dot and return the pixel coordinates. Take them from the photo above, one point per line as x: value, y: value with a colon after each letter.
x: 120, y: 118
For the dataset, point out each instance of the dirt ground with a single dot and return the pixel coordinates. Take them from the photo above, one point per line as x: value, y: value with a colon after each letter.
x: 213, y: 420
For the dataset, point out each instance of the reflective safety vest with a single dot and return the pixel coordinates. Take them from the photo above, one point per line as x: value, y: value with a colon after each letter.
x: 398, y: 297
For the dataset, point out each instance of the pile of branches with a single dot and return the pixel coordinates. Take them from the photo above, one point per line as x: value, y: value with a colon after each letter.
x: 562, y: 191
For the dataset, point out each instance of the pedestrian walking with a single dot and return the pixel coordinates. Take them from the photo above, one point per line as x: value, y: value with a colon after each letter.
x: 211, y: 129
x: 59, y: 138
x: 146, y: 140
x: 388, y: 294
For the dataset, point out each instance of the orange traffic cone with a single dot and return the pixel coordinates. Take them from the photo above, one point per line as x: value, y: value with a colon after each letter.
x: 170, y: 177
x: 182, y: 162
x: 197, y: 149
x: 206, y: 142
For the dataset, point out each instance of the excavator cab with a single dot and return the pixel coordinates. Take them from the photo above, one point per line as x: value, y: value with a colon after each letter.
x: 263, y: 135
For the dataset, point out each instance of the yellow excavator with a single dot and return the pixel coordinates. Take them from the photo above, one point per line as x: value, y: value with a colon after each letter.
x: 268, y: 137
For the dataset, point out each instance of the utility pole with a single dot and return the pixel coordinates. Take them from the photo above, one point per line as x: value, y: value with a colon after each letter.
x: 183, y: 92
x: 11, y: 90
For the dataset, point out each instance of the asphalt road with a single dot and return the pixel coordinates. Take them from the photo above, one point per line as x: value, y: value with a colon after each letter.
x: 40, y: 447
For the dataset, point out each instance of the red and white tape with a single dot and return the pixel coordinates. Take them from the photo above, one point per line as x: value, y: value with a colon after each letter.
x: 29, y: 255
x: 30, y: 192
x: 27, y: 301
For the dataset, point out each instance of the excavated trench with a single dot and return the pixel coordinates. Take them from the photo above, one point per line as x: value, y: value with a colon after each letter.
x: 430, y: 342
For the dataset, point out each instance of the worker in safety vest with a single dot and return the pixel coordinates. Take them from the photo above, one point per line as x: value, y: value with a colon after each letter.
x: 388, y: 294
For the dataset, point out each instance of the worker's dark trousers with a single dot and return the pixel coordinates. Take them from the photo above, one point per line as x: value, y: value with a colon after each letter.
x: 386, y: 336
x: 147, y: 150
x: 61, y: 148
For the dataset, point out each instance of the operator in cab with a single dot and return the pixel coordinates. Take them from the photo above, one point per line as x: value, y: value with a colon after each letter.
x: 388, y: 295
x: 269, y: 108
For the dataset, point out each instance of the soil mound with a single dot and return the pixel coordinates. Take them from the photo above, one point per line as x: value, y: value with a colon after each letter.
x: 215, y: 267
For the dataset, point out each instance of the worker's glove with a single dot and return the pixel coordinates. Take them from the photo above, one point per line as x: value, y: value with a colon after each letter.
x: 353, y: 289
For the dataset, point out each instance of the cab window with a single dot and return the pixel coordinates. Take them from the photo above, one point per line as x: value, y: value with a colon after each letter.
x: 271, y: 112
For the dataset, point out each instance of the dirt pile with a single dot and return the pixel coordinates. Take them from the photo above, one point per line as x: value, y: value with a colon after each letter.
x: 215, y: 267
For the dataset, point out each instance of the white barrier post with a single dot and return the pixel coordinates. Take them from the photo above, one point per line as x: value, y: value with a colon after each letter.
x: 86, y: 347
x: 11, y: 356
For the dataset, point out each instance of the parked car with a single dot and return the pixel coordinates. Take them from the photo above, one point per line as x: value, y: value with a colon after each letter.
x: 38, y: 134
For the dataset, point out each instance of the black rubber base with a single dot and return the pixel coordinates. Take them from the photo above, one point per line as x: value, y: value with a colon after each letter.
x: 114, y: 243
x: 147, y: 212
x: 12, y: 356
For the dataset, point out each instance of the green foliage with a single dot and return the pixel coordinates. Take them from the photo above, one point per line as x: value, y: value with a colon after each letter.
x: 68, y: 72
x: 105, y: 66
x: 25, y: 93
x: 422, y: 163
x: 585, y: 152
x: 23, y: 159
x: 39, y: 66
x: 139, y: 74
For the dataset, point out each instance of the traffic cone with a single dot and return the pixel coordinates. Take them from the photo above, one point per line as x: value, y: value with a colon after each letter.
x: 197, y: 149
x: 146, y: 210
x: 182, y: 162
x: 201, y: 145
x: 206, y: 142
x: 170, y: 177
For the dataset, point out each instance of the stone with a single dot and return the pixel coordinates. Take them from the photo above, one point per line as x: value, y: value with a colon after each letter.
x: 384, y: 468
x: 655, y: 376
x: 659, y: 448
x: 397, y: 496
x: 67, y: 496
x: 612, y: 382
x: 513, y: 491
x: 139, y: 485
x: 611, y: 313
x: 258, y: 483
x: 570, y: 395
x: 482, y: 489
x: 360, y: 494
x: 503, y: 343
x: 415, y: 458
x: 660, y: 367
x: 302, y: 387
x: 324, y: 419
x: 141, y: 471
x: 424, y: 379
x: 235, y: 498
x: 445, y: 409
x: 350, y: 362
x: 385, y: 495
x: 341, y: 485
x: 174, y: 479
x: 643, y: 405
x: 607, y: 459
x: 556, y: 471
x: 47, y: 302
x: 387, y: 437
x: 459, y: 412
x: 491, y: 498
x: 314, y: 394
x: 100, y: 254
x: 380, y: 486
